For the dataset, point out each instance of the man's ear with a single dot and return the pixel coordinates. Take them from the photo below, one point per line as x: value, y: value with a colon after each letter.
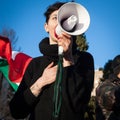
x: 46, y: 27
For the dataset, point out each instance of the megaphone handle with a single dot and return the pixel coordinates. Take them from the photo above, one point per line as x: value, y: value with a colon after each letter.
x: 60, y: 50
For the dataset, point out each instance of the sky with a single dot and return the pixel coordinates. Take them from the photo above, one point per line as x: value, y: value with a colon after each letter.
x: 26, y: 18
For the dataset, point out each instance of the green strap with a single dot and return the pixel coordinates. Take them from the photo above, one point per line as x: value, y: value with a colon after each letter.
x: 57, y: 99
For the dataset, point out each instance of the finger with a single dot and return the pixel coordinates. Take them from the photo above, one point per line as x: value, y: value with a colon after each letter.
x: 50, y: 65
x: 55, y: 66
x: 66, y: 35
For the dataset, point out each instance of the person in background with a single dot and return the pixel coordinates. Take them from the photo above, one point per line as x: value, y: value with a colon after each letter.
x: 108, y: 94
x: 35, y: 94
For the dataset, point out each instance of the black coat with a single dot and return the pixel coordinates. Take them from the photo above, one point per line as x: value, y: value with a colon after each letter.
x: 77, y: 84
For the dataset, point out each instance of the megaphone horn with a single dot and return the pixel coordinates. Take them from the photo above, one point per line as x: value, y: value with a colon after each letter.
x: 73, y: 19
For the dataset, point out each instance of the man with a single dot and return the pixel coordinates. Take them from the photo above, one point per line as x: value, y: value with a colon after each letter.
x: 35, y: 95
x: 108, y: 95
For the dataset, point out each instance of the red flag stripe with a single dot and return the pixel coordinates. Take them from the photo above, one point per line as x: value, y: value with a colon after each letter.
x: 18, y: 67
x: 5, y: 48
x: 18, y: 64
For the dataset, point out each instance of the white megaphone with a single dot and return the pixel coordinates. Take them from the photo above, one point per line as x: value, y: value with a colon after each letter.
x: 73, y: 19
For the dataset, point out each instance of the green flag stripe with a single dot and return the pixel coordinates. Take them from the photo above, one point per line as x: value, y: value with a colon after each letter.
x: 4, y: 68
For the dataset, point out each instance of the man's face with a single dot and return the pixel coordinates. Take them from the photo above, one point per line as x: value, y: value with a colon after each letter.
x: 50, y: 27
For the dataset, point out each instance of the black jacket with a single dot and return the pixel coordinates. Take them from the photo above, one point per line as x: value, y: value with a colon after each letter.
x: 77, y: 85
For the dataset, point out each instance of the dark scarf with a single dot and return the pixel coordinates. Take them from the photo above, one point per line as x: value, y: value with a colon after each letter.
x: 46, y: 49
x: 52, y: 50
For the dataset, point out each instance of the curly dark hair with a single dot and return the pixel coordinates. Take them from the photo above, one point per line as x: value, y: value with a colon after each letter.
x: 52, y: 8
x: 116, y: 64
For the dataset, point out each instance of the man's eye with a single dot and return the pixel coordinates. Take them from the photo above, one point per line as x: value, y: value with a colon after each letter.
x: 54, y: 18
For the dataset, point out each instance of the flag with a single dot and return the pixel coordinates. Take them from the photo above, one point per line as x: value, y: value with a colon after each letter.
x: 18, y: 65
x: 5, y: 48
x: 4, y: 68
x: 17, y: 61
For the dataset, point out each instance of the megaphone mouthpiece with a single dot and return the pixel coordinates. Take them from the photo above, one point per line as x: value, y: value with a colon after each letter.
x: 70, y: 23
x: 67, y: 24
